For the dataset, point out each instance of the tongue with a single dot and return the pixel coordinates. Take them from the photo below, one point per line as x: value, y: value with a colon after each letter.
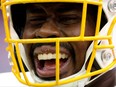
x: 50, y: 64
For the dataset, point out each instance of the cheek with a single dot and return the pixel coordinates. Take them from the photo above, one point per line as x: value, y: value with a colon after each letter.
x: 73, y: 30
x: 27, y: 47
x: 90, y: 28
x: 28, y: 34
x: 80, y: 52
x: 90, y: 31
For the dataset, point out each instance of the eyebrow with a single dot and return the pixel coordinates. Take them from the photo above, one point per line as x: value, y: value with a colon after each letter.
x: 69, y: 8
x: 34, y: 9
x: 64, y: 9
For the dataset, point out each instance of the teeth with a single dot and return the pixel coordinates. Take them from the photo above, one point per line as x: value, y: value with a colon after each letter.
x: 51, y: 56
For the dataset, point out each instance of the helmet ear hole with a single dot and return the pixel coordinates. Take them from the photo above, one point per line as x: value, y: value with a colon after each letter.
x: 18, y: 17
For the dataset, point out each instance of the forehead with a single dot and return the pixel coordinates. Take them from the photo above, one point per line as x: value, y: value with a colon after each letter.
x: 59, y: 7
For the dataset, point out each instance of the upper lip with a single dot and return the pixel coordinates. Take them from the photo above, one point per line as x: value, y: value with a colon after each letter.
x: 50, y: 48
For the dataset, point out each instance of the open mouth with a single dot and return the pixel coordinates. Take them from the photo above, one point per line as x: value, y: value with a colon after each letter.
x: 45, y: 61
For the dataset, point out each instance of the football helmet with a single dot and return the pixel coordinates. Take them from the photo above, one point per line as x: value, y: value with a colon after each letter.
x: 102, y: 47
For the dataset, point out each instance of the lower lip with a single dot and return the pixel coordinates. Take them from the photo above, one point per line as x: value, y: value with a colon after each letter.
x: 51, y: 73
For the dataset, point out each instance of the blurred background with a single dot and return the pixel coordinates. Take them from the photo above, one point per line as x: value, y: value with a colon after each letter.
x: 4, y: 62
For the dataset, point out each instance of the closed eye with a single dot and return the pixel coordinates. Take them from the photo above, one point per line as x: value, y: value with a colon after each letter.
x: 68, y: 19
x: 37, y: 21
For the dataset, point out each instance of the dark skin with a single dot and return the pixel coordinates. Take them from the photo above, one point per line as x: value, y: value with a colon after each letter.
x: 59, y: 20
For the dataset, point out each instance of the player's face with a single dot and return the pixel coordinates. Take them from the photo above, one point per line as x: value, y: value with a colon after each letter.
x: 50, y: 21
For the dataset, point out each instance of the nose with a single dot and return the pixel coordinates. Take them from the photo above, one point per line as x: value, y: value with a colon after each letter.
x: 48, y: 29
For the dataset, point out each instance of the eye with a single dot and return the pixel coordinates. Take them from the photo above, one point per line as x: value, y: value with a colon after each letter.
x: 69, y: 19
x: 37, y: 21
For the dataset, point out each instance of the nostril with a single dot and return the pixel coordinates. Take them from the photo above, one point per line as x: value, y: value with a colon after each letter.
x: 52, y: 36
